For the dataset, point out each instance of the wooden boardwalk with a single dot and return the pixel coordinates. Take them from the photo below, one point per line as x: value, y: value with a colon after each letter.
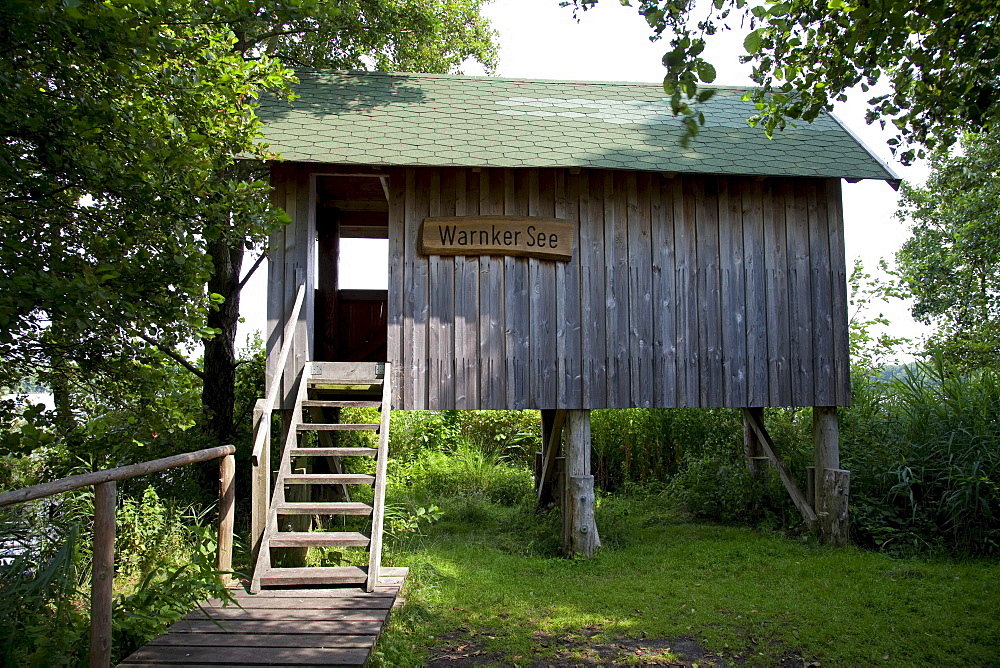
x: 282, y: 627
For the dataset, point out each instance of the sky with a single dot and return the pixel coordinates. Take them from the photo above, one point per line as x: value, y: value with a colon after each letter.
x: 540, y: 39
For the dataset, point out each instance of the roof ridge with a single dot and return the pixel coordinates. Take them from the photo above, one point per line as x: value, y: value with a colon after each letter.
x: 542, y: 80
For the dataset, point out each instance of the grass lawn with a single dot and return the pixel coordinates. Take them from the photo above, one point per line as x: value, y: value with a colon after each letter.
x: 486, y: 587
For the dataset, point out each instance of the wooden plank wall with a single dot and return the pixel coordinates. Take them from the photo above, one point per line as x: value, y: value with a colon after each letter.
x: 684, y: 291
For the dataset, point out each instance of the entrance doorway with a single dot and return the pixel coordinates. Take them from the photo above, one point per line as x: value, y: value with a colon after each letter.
x: 352, y: 229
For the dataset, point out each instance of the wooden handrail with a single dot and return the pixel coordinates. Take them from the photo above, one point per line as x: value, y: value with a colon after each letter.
x: 105, y: 487
x: 107, y: 475
x: 272, y: 391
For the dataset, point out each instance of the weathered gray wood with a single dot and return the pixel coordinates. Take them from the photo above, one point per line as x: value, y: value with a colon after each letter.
x: 821, y: 297
x: 838, y: 286
x: 685, y: 238
x: 752, y: 449
x: 378, y: 503
x: 445, y: 313
x: 832, y: 496
x: 516, y: 307
x: 301, y: 602
x: 396, y: 298
x: 580, y: 535
x: 640, y: 293
x: 314, y: 575
x: 333, y: 452
x: 323, y: 508
x: 616, y: 297
x: 347, y: 627
x: 592, y: 275
x: 710, y: 316
x: 320, y: 426
x: 755, y: 269
x: 552, y: 440
x: 235, y: 613
x: 419, y: 286
x: 209, y: 640
x: 733, y: 294
x: 798, y: 498
x: 300, y: 656
x: 776, y: 288
x: 227, y: 516
x: 110, y: 475
x: 568, y: 296
x: 583, y: 530
x: 664, y: 274
x: 276, y: 311
x: 329, y: 479
x: 799, y: 295
x: 260, y: 480
x: 438, y: 293
x: 102, y: 574
x: 546, y: 301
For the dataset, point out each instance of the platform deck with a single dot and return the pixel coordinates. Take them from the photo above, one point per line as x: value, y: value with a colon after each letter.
x: 282, y: 627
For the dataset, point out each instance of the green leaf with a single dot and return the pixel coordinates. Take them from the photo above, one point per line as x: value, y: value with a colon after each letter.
x: 706, y: 72
x: 753, y: 41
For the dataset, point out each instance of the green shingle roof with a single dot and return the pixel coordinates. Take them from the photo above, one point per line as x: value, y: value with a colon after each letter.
x: 376, y: 118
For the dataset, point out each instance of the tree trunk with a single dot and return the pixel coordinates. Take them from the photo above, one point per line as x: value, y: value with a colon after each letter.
x: 218, y: 394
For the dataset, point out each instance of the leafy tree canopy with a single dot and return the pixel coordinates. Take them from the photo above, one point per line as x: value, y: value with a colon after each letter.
x: 951, y: 263
x: 941, y: 60
x: 120, y: 196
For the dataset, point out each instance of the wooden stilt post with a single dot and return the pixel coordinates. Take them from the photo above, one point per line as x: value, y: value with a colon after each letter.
x: 103, y: 574
x: 580, y: 534
x: 751, y: 444
x: 832, y: 483
x: 227, y: 506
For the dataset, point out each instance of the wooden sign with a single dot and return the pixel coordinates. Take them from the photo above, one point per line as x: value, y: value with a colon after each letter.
x: 521, y: 236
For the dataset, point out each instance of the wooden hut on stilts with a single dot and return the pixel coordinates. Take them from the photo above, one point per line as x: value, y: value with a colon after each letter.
x: 552, y: 245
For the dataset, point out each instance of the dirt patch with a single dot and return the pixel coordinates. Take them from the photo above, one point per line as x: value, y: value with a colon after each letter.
x: 582, y: 648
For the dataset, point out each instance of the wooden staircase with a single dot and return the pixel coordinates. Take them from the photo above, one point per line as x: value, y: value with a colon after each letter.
x: 323, y: 389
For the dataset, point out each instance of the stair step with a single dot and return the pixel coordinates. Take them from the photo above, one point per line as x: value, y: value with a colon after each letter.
x: 329, y: 479
x: 337, y: 383
x: 324, y: 508
x: 320, y: 539
x: 333, y: 452
x: 323, y: 403
x: 313, y: 576
x: 322, y: 426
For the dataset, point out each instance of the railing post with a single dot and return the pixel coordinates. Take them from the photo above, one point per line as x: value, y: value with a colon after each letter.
x: 260, y: 479
x: 103, y: 574
x: 227, y: 504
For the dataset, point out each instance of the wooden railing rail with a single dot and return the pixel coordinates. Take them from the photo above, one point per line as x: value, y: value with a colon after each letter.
x: 260, y: 458
x: 105, y: 488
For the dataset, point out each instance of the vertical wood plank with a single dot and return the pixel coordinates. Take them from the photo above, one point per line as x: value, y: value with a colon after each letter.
x: 472, y: 360
x: 227, y: 516
x: 568, y: 296
x: 838, y: 269
x: 515, y: 322
x: 709, y: 322
x: 799, y: 295
x: 664, y: 324
x: 491, y: 304
x: 776, y: 262
x: 754, y: 262
x: 685, y: 235
x: 640, y: 292
x: 276, y: 273
x: 616, y: 299
x: 435, y: 302
x: 420, y: 287
x: 734, y: 326
x: 592, y: 272
x: 103, y: 573
x: 821, y: 285
x: 536, y: 302
x: 462, y: 368
x: 548, y: 300
x: 396, y: 298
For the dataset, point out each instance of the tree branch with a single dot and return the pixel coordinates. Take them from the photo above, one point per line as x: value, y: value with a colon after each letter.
x: 172, y: 354
x: 242, y: 283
